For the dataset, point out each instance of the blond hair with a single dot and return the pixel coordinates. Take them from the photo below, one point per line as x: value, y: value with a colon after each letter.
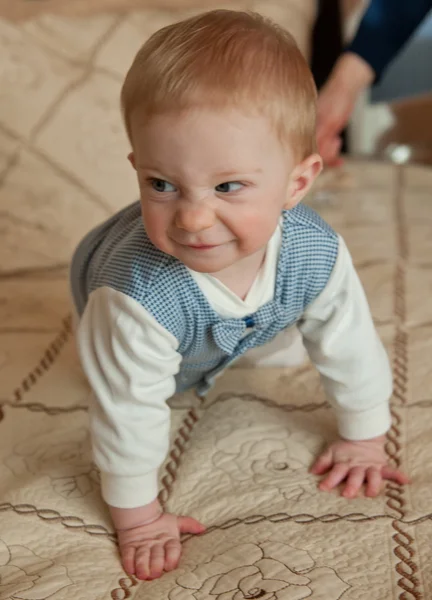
x: 220, y: 59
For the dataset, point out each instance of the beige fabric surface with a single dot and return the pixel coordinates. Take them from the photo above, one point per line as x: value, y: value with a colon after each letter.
x: 24, y: 9
x: 240, y: 462
x: 296, y: 15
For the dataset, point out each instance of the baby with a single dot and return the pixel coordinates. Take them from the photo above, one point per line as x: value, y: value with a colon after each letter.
x: 217, y: 258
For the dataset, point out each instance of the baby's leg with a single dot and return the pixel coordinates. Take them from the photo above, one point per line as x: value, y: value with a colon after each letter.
x: 285, y: 350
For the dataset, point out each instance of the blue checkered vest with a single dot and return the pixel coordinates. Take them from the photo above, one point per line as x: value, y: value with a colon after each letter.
x: 119, y: 254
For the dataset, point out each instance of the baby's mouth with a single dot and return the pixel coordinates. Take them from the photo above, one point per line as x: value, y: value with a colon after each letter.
x: 202, y: 246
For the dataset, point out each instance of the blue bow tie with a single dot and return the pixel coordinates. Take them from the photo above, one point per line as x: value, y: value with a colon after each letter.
x: 228, y: 333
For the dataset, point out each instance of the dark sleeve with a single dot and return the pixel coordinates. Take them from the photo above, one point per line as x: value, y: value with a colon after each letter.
x: 384, y: 29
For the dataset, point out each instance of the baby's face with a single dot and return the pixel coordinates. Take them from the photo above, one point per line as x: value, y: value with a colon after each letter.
x: 213, y: 184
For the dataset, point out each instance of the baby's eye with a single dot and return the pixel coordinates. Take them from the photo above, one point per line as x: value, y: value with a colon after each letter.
x: 229, y: 186
x: 160, y: 185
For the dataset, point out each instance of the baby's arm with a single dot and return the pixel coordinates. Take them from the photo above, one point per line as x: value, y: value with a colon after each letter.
x: 342, y: 342
x: 130, y: 361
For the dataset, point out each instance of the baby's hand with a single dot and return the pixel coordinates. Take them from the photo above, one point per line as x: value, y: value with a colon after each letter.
x: 357, y: 463
x: 149, y: 550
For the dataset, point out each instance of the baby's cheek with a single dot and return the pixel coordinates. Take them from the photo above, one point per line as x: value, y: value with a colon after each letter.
x: 156, y: 223
x: 257, y: 229
x: 156, y: 231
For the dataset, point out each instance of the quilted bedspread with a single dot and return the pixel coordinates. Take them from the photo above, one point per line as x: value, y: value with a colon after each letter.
x: 239, y: 462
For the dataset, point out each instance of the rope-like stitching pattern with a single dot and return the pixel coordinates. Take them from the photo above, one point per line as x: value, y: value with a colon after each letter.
x: 177, y: 450
x: 46, y: 361
x: 403, y: 550
x: 53, y: 516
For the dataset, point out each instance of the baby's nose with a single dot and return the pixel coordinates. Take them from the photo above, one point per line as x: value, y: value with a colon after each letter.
x: 195, y: 218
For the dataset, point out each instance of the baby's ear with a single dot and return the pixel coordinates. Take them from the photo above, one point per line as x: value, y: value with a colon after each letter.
x: 131, y: 159
x: 302, y: 178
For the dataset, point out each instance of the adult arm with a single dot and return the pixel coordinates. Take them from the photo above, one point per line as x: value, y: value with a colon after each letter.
x: 385, y: 28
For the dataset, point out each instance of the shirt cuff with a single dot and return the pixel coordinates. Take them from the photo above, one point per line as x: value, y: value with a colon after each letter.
x: 365, y: 425
x: 129, y: 492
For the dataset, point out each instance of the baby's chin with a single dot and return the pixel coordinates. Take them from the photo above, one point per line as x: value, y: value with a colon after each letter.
x: 209, y: 265
x: 206, y: 266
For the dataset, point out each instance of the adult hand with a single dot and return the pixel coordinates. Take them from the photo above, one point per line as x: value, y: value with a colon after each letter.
x: 336, y: 101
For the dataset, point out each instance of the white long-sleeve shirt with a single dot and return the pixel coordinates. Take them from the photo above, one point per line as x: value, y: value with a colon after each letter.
x: 131, y: 360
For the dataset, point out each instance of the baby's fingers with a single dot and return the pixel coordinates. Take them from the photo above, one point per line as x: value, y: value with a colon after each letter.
x: 374, y: 482
x: 395, y: 475
x: 152, y: 562
x: 323, y: 463
x: 190, y: 525
x: 142, y: 562
x: 355, y: 479
x: 128, y: 560
x: 156, y: 561
x: 172, y: 554
x: 336, y: 475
